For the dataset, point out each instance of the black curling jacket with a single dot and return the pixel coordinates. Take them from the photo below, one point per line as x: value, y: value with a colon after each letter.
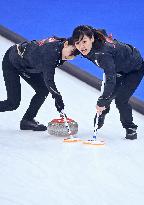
x: 115, y: 59
x: 39, y: 59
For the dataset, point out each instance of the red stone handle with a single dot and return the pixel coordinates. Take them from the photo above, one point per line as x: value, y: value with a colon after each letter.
x: 61, y: 120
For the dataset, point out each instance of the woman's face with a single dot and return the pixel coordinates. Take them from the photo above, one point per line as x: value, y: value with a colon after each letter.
x: 85, y: 44
x: 67, y: 51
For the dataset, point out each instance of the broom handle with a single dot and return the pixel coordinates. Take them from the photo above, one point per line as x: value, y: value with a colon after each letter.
x: 95, y: 124
x: 65, y: 121
x: 97, y: 115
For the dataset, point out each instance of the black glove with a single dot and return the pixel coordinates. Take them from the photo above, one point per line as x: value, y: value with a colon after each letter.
x: 101, y: 118
x: 59, y: 104
x: 102, y: 101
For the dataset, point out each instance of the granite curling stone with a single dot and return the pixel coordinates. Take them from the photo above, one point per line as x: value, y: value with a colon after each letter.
x: 57, y: 127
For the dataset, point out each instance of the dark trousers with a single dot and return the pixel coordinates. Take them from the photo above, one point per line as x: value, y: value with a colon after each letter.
x: 13, y: 87
x: 125, y: 87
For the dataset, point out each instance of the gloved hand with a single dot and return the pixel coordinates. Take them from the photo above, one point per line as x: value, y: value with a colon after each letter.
x: 101, y: 118
x: 59, y: 104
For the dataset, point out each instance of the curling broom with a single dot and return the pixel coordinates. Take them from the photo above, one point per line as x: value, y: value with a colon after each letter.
x: 94, y: 140
x: 71, y: 138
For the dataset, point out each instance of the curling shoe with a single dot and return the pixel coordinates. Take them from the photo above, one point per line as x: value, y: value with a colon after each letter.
x: 32, y: 125
x: 131, y: 133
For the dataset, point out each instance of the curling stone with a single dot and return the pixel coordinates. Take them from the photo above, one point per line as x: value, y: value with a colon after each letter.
x: 57, y: 127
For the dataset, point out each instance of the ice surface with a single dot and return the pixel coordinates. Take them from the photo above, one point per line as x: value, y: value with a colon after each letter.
x: 39, y: 169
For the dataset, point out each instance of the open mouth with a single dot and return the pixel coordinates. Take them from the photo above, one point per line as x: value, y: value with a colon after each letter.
x: 84, y: 51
